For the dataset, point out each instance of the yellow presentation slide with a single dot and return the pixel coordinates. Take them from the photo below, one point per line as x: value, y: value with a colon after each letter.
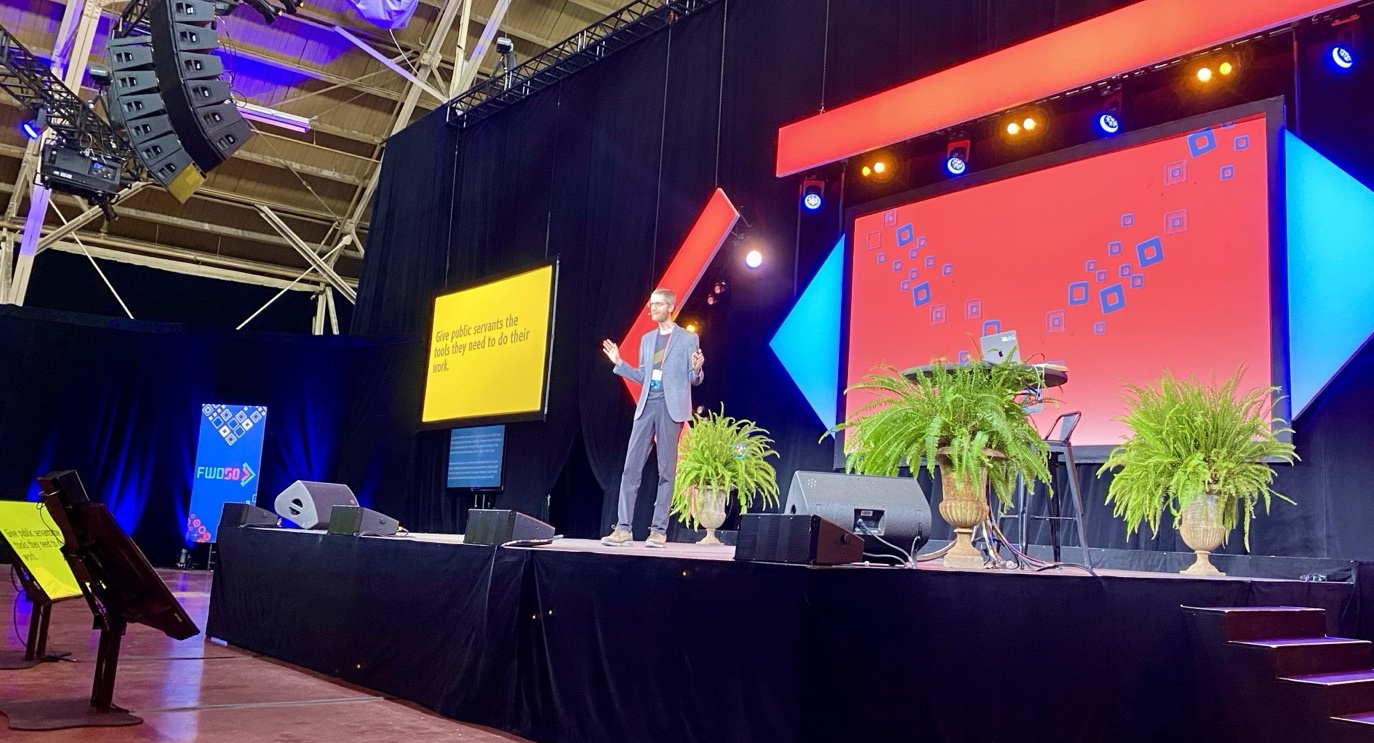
x: 36, y: 541
x: 488, y: 352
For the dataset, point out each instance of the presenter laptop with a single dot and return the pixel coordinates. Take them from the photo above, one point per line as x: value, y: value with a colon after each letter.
x: 1000, y: 347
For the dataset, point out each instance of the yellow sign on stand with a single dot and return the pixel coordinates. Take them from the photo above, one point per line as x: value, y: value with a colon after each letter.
x: 37, y: 542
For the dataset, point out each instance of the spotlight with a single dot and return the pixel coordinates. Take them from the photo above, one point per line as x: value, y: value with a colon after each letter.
x: 753, y: 259
x: 691, y: 327
x: 812, y: 194
x: 880, y: 168
x: 1204, y: 74
x: 506, y: 48
x: 1109, y: 121
x: 1026, y: 122
x: 710, y: 299
x: 33, y: 128
x: 719, y: 287
x: 1342, y: 57
x: 1226, y: 68
x: 956, y: 157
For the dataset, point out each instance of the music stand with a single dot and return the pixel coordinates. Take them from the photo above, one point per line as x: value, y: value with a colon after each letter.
x: 119, y: 585
x: 36, y: 646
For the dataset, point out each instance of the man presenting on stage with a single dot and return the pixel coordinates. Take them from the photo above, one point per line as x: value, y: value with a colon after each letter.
x: 670, y: 362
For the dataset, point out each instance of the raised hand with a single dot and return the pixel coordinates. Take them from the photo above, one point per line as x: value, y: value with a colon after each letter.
x: 611, y: 350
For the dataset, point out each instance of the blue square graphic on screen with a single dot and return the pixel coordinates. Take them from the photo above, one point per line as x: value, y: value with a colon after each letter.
x: 475, y: 456
x: 228, y: 455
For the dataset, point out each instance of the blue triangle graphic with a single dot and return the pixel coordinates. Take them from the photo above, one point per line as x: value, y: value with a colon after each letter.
x: 808, y: 341
x: 1330, y: 265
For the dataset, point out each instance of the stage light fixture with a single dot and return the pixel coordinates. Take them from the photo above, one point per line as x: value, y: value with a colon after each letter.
x: 956, y: 156
x: 691, y: 327
x: 1013, y: 128
x: 1342, y: 57
x: 753, y: 259
x: 33, y: 128
x: 812, y: 194
x: 1204, y: 74
x: 710, y: 299
x: 1029, y: 124
x: 1226, y: 68
x: 719, y: 287
x: 880, y: 167
x: 1109, y: 121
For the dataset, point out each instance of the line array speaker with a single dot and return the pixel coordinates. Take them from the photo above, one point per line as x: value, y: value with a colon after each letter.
x: 136, y: 104
x: 188, y: 71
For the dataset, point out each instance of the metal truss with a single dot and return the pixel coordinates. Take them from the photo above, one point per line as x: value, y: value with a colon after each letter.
x: 31, y: 82
x: 617, y: 31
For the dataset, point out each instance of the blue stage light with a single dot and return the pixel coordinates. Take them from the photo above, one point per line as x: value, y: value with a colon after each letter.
x: 1342, y: 57
x: 1109, y: 124
x: 812, y: 201
x: 31, y: 129
x: 956, y: 166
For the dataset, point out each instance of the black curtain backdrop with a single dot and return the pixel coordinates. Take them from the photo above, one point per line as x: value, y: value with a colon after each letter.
x: 606, y: 172
x: 119, y: 401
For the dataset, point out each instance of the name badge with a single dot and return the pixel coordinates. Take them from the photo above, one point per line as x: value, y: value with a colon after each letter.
x: 657, y: 375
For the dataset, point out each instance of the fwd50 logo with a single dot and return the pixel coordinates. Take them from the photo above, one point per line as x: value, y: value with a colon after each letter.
x: 243, y: 475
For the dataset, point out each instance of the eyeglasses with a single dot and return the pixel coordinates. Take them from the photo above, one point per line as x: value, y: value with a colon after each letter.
x: 658, y: 304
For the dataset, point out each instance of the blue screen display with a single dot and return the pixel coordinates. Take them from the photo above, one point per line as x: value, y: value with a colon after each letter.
x: 475, y: 456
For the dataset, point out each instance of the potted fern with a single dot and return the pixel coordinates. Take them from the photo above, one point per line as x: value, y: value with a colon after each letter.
x: 717, y: 455
x: 964, y: 419
x: 1200, y: 452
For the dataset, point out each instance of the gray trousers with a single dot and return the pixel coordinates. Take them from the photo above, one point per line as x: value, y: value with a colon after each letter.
x: 653, y: 423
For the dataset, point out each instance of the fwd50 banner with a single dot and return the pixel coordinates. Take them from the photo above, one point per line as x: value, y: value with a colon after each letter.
x: 227, y: 460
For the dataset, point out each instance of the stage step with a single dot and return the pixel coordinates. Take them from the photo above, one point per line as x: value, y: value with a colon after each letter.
x: 1295, y: 656
x: 1296, y: 682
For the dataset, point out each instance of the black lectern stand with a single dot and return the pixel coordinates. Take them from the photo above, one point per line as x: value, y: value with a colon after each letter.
x: 120, y: 587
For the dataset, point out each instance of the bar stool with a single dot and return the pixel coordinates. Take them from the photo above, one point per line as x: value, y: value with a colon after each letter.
x: 1060, y: 448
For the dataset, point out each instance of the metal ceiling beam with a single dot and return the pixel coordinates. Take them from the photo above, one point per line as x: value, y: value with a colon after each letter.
x: 310, y: 71
x: 428, y: 62
x: 519, y: 33
x: 388, y: 62
x: 596, y: 7
x: 187, y: 262
x: 309, y: 254
x: 281, y: 162
x: 84, y: 218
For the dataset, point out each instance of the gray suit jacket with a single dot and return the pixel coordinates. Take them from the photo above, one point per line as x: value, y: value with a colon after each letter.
x: 678, y: 378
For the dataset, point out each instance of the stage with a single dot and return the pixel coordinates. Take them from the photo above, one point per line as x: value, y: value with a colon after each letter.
x: 579, y: 642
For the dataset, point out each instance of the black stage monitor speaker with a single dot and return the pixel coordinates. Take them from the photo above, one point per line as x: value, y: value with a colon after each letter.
x: 308, y: 504
x: 803, y: 538
x: 243, y: 514
x: 493, y: 526
x: 894, y: 508
x: 357, y: 521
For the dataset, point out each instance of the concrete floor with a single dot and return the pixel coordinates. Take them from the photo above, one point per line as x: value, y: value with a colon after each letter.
x: 196, y: 690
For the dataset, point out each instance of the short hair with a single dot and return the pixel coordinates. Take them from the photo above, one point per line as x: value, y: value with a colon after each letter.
x: 668, y: 296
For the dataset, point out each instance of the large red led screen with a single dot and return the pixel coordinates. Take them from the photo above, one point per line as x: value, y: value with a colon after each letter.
x: 1118, y: 266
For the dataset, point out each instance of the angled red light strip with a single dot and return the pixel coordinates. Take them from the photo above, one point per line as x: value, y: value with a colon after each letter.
x: 686, y: 269
x: 1136, y: 36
